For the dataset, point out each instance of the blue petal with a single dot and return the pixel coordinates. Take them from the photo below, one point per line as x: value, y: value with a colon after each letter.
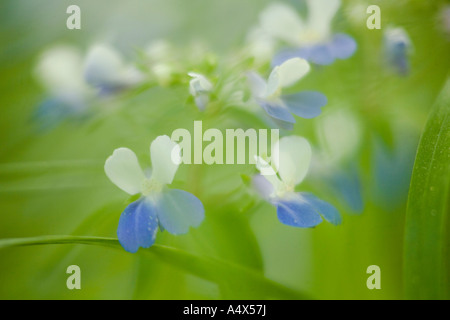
x: 319, y: 54
x: 305, y: 104
x: 53, y: 111
x: 392, y: 171
x: 277, y: 111
x: 138, y: 225
x: 297, y: 213
x: 178, y: 210
x: 262, y: 186
x: 329, y: 212
x: 397, y: 56
x: 286, y: 54
x: 342, y: 46
x: 106, y: 89
x: 348, y: 185
x: 280, y: 123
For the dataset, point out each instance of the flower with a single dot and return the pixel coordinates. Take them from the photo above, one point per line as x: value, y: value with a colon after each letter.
x: 260, y: 45
x: 200, y: 88
x: 71, y: 78
x: 312, y: 39
x: 279, y: 107
x: 104, y: 69
x: 291, y: 157
x: 59, y: 70
x: 339, y: 135
x: 397, y: 45
x: 392, y: 167
x: 169, y: 209
x: 162, y: 62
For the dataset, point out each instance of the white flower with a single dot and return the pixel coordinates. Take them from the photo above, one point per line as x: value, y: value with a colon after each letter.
x: 339, y: 134
x: 200, y: 88
x: 59, y: 70
x: 260, y: 45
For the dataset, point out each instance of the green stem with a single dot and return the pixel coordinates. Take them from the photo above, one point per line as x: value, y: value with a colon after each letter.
x: 19, y: 167
x: 211, y: 269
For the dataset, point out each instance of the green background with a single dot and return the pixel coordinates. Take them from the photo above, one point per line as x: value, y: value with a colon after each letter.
x: 52, y: 181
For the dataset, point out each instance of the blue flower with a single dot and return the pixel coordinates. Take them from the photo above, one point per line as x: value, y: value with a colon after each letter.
x: 339, y: 134
x: 59, y: 71
x: 397, y: 46
x: 71, y: 78
x: 158, y: 207
x: 105, y: 70
x: 312, y: 39
x: 291, y: 157
x: 392, y: 168
x: 305, y: 104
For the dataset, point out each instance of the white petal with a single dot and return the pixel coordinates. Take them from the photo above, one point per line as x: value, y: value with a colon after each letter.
x: 201, y: 101
x: 258, y: 85
x: 268, y: 172
x: 166, y: 156
x: 292, y: 156
x: 273, y: 83
x: 103, y: 65
x: 339, y: 133
x: 397, y: 35
x: 320, y: 15
x: 292, y: 70
x: 199, y: 84
x: 123, y: 169
x: 159, y: 51
x: 260, y: 45
x: 281, y: 21
x: 59, y: 69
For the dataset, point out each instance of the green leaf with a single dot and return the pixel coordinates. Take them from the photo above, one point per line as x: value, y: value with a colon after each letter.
x: 210, y: 269
x: 427, y: 245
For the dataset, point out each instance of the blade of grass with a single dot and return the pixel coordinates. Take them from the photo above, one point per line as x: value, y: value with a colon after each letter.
x: 427, y: 247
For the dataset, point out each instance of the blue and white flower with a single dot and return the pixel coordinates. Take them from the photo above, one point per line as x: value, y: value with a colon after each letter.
x: 340, y: 135
x: 291, y: 157
x: 158, y: 207
x: 200, y: 88
x: 311, y: 39
x: 105, y: 70
x: 268, y: 94
x: 59, y: 70
x: 71, y: 78
x: 392, y: 167
x: 397, y: 46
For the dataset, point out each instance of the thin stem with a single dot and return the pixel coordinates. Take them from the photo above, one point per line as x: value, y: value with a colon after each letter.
x: 211, y: 269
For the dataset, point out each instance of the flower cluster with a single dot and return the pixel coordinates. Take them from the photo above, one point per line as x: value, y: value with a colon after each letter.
x: 240, y: 81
